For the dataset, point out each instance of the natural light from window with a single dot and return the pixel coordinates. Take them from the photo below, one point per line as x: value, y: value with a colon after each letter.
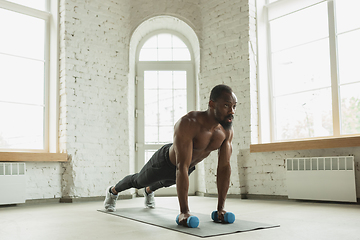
x: 314, y: 69
x: 37, y: 4
x: 301, y: 74
x: 22, y: 81
x: 164, y: 47
x: 165, y: 102
x: 348, y: 29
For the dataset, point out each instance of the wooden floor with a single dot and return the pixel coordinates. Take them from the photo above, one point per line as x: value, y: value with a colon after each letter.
x: 67, y: 221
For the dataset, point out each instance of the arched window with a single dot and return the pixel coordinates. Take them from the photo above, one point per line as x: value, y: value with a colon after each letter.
x: 165, y: 91
x: 166, y: 83
x: 164, y: 60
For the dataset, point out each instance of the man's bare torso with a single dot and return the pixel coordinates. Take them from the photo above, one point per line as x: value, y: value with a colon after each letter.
x: 205, y: 139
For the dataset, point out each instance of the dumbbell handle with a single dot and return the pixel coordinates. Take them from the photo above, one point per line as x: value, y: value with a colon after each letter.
x: 192, y: 221
x: 229, y: 217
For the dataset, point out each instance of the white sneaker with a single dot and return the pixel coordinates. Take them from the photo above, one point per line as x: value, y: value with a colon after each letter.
x: 110, y: 200
x: 149, y: 199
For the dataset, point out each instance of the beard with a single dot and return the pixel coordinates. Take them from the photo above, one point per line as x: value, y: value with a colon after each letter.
x: 225, y: 124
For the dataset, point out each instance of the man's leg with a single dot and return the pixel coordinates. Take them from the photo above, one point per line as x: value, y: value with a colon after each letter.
x: 149, y: 191
x: 156, y: 169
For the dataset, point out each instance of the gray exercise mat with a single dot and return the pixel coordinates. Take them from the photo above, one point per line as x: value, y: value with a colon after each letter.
x: 165, y: 218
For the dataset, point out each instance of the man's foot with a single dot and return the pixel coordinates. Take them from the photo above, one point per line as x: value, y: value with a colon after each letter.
x: 149, y: 199
x: 110, y: 200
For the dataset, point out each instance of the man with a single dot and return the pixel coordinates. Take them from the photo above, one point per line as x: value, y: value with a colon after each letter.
x: 196, y: 135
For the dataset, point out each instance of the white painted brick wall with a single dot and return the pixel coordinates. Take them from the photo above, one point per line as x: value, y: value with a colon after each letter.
x: 186, y: 10
x: 44, y: 180
x: 94, y: 88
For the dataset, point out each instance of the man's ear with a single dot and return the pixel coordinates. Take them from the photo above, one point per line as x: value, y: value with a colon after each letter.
x: 211, y: 104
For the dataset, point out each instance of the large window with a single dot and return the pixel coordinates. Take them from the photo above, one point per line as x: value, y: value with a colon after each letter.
x: 25, y: 43
x: 311, y: 74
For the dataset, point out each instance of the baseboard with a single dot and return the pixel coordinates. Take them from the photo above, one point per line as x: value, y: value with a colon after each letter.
x: 264, y: 197
x: 74, y: 199
x: 245, y: 196
x: 98, y: 198
x: 41, y: 201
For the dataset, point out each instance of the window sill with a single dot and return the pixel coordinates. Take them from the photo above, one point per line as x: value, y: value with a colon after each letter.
x: 32, y: 157
x: 307, y: 144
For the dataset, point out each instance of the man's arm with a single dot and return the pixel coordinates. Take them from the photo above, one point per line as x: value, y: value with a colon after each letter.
x: 183, y: 146
x: 223, y: 174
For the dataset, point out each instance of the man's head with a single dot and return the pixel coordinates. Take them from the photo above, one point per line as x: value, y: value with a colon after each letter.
x: 223, y: 103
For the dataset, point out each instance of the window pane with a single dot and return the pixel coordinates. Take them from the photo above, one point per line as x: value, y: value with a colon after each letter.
x: 294, y: 71
x: 165, y: 80
x: 165, y: 54
x: 38, y: 4
x: 180, y: 79
x: 21, y: 80
x: 347, y: 15
x: 303, y: 115
x: 164, y: 47
x: 350, y: 108
x: 180, y: 104
x: 23, y: 126
x: 148, y: 55
x: 151, y: 110
x: 166, y: 134
x: 164, y: 41
x: 181, y: 54
x: 166, y: 107
x: 151, y: 134
x: 151, y: 79
x: 300, y: 27
x: 25, y: 35
x: 349, y: 57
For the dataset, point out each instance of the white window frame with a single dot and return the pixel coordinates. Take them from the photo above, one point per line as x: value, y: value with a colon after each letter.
x: 265, y: 98
x: 51, y: 77
x: 142, y: 66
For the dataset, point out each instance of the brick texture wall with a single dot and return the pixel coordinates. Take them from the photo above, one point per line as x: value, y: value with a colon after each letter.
x: 93, y: 95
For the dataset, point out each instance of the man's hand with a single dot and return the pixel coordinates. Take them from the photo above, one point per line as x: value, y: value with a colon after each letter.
x: 221, y: 214
x: 183, y: 219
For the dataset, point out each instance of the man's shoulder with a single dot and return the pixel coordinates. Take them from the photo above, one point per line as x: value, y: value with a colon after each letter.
x: 193, y: 115
x: 190, y: 118
x: 190, y: 121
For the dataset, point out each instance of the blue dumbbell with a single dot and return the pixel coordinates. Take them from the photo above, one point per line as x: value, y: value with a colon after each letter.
x: 192, y: 221
x: 229, y: 217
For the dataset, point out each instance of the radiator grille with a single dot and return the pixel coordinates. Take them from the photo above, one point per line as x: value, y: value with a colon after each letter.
x: 12, y: 183
x: 321, y: 178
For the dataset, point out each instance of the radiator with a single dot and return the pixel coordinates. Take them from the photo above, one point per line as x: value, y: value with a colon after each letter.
x: 321, y: 178
x: 12, y: 183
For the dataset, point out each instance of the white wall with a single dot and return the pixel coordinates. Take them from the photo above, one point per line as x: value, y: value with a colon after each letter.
x: 97, y: 96
x: 94, y: 95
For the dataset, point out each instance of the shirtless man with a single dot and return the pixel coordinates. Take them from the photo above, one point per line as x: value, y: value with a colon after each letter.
x: 196, y: 135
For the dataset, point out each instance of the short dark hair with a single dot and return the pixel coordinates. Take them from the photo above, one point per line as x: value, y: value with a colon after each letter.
x: 218, y: 90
